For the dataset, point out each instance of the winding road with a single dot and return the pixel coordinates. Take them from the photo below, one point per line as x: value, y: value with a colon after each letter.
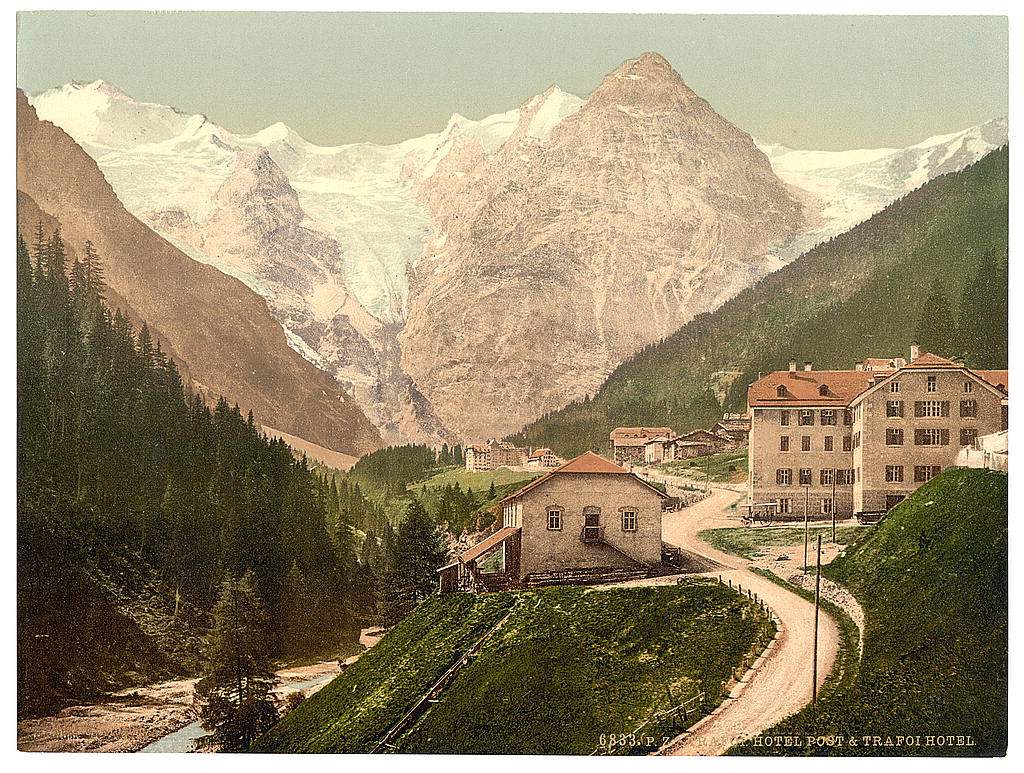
x: 781, y: 683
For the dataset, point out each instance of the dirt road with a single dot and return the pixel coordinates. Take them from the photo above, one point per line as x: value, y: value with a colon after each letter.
x: 782, y: 683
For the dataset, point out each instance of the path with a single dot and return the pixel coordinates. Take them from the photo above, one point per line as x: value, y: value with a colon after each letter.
x: 782, y: 683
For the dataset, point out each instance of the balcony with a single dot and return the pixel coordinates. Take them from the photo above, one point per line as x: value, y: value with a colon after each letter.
x: 593, y: 534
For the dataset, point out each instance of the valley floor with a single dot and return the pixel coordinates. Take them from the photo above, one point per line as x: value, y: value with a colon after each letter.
x: 139, y: 716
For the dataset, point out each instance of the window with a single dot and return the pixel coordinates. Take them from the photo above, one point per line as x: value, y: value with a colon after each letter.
x: 847, y: 443
x: 805, y: 443
x: 924, y: 473
x: 554, y: 519
x: 931, y: 437
x: 785, y: 505
x: 932, y: 383
x: 828, y: 418
x: 968, y: 386
x: 969, y: 409
x: 829, y: 440
x: 784, y: 443
x: 893, y: 436
x: 931, y: 408
x: 844, y: 477
x: 968, y: 436
x: 858, y: 412
x: 894, y: 409
x: 894, y: 386
x: 806, y: 418
x: 823, y: 390
x: 828, y: 477
x: 780, y: 390
x: 893, y: 473
x: 629, y: 520
x: 826, y: 505
x: 856, y: 440
x: 805, y: 476
x: 847, y: 416
x: 784, y: 418
x: 783, y: 477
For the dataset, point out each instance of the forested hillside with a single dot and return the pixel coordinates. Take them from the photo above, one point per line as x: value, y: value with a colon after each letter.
x: 136, y: 499
x: 931, y: 267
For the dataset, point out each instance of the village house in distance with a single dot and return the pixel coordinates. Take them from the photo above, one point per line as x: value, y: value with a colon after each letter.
x: 859, y: 441
x: 654, y: 445
x: 588, y: 520
x: 494, y: 454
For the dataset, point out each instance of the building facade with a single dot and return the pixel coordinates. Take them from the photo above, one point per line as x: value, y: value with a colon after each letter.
x: 627, y: 444
x: 494, y: 454
x: 586, y: 516
x: 859, y: 441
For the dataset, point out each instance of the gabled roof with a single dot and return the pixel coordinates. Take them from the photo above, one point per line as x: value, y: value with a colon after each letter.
x: 587, y: 463
x: 995, y: 378
x: 644, y: 432
x: 929, y: 360
x: 591, y: 462
x: 487, y: 543
x: 802, y: 387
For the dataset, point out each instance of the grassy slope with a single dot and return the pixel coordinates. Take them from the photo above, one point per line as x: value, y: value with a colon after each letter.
x: 728, y: 467
x: 569, y: 665
x: 857, y: 295
x: 352, y: 712
x: 933, y: 583
x: 745, y: 542
x: 478, y: 481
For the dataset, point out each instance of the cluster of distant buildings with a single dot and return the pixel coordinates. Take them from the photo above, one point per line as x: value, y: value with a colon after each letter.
x: 655, y: 445
x: 821, y: 443
x: 494, y: 454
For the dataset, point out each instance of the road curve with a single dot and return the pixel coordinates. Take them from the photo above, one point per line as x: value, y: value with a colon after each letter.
x: 781, y: 685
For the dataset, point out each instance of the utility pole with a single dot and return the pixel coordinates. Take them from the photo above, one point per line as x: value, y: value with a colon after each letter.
x: 707, y: 474
x: 817, y: 604
x: 834, y: 474
x: 807, y: 501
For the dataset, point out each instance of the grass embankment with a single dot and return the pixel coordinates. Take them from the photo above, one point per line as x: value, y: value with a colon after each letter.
x: 746, y: 542
x: 728, y: 467
x: 932, y: 578
x: 569, y: 666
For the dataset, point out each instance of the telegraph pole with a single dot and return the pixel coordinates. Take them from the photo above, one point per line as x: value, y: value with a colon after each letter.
x: 834, y: 473
x: 807, y: 501
x: 817, y: 604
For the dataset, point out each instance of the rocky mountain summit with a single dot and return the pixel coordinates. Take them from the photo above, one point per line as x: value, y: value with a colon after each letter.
x: 552, y: 261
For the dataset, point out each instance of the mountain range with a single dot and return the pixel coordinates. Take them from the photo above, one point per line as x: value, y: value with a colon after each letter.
x: 461, y: 284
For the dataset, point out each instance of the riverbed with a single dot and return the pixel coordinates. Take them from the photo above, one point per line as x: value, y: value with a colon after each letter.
x: 156, y: 718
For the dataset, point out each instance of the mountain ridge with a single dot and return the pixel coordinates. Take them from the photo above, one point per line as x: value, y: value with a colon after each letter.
x: 226, y: 341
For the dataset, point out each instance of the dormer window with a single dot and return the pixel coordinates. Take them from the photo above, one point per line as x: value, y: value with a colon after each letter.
x: 780, y: 391
x: 823, y: 390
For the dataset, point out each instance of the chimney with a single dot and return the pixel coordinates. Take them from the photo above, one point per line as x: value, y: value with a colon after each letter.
x: 792, y: 366
x: 807, y: 366
x: 859, y: 366
x: 915, y: 351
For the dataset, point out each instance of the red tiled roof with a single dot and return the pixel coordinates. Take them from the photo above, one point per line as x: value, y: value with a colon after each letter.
x: 487, y: 543
x: 995, y: 377
x: 591, y: 462
x: 803, y: 387
x: 929, y: 360
x: 587, y: 463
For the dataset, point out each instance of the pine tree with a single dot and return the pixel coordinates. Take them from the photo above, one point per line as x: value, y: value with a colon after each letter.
x: 235, y: 688
x: 418, y: 552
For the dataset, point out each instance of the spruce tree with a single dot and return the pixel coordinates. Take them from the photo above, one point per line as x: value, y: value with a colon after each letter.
x: 235, y: 688
x: 417, y: 553
x: 936, y: 327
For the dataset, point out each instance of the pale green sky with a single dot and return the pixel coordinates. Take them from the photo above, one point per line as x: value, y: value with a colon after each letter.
x: 829, y: 82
